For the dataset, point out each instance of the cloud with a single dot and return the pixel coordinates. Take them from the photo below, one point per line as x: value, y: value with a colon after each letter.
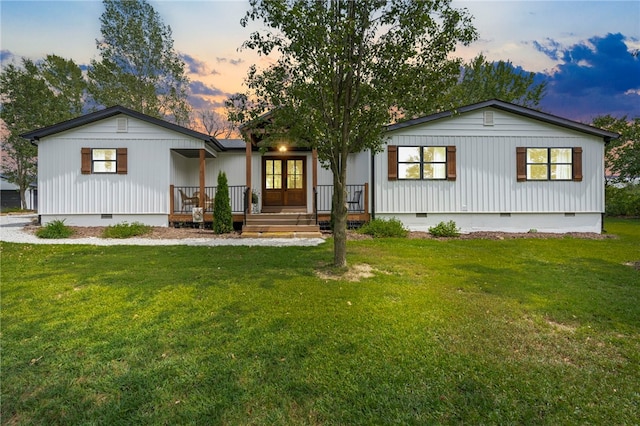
x: 549, y: 47
x: 232, y: 61
x: 200, y: 103
x: 6, y: 55
x: 200, y: 88
x: 595, y: 77
x: 196, y: 66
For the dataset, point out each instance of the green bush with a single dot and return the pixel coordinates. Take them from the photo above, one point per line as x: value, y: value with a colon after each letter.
x: 448, y: 229
x: 222, y: 217
x: 125, y: 230
x: 381, y: 228
x: 624, y: 201
x: 55, y: 229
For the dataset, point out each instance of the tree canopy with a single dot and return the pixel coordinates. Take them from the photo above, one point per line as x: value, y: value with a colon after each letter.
x: 139, y: 67
x: 481, y: 80
x: 35, y: 95
x: 346, y: 68
x: 622, y: 156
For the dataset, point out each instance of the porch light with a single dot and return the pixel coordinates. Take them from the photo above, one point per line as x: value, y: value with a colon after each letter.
x: 282, y: 148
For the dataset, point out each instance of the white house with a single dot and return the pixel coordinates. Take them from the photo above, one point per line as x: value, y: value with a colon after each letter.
x: 487, y: 166
x: 493, y: 166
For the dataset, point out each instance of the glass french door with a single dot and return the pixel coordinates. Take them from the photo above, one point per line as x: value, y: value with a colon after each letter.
x: 284, y: 182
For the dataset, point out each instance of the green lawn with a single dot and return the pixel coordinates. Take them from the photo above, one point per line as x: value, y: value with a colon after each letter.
x: 446, y: 332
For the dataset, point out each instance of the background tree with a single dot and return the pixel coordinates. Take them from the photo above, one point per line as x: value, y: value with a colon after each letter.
x: 33, y: 96
x: 622, y: 155
x: 214, y: 124
x: 139, y: 68
x: 481, y: 80
x: 222, y: 216
x: 347, y: 68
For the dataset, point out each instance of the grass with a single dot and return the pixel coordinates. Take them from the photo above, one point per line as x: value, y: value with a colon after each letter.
x: 126, y: 230
x: 446, y: 332
x: 55, y: 229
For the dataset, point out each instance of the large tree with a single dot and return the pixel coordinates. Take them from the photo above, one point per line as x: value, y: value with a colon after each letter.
x: 481, y: 80
x: 35, y: 95
x: 139, y: 67
x: 622, y: 155
x: 346, y: 68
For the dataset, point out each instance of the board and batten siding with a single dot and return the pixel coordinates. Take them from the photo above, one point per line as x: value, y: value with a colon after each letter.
x: 144, y: 190
x: 486, y: 180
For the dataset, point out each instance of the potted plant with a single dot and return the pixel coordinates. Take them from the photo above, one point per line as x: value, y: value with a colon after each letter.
x: 254, y: 202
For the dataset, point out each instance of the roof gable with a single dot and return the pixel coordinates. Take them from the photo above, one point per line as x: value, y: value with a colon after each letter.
x: 35, y: 135
x: 514, y: 109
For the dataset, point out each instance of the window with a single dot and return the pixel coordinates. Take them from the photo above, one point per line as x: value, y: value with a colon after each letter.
x: 273, y: 174
x: 421, y: 162
x: 294, y: 174
x: 104, y: 160
x: 549, y: 164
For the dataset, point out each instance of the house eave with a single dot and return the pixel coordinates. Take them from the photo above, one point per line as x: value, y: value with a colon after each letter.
x: 511, y: 108
x: 36, y: 135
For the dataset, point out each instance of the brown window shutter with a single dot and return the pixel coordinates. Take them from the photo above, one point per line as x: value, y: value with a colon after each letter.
x: 577, y: 164
x: 451, y: 163
x: 85, y: 154
x: 393, y: 162
x: 521, y: 163
x: 121, y: 161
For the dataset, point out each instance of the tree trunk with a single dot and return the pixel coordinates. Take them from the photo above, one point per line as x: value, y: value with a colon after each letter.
x: 339, y: 212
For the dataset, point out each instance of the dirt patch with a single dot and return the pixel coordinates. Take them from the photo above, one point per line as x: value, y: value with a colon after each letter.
x: 635, y: 265
x: 157, y: 232
x: 487, y: 235
x: 171, y: 233
x: 353, y: 273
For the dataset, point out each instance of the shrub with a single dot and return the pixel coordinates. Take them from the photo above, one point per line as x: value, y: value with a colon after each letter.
x: 222, y: 217
x: 125, y: 230
x: 381, y: 228
x: 623, y: 201
x: 448, y: 229
x: 55, y: 229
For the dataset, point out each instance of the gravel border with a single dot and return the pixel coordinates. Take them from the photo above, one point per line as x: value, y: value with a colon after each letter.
x: 11, y: 230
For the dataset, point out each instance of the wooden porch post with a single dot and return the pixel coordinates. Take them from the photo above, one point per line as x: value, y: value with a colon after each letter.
x: 248, y: 163
x: 314, y: 167
x: 171, y: 200
x: 366, y: 198
x: 202, y: 198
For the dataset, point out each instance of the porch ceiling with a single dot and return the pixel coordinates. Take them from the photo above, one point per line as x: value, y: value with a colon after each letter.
x: 193, y: 153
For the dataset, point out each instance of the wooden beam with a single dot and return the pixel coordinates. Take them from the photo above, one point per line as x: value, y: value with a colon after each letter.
x: 202, y: 175
x: 248, y: 165
x: 172, y: 201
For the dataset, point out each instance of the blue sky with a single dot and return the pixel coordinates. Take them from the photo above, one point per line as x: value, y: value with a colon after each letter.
x: 583, y: 48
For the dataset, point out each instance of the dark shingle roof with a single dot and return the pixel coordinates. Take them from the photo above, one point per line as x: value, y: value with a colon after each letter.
x: 512, y: 108
x: 36, y: 135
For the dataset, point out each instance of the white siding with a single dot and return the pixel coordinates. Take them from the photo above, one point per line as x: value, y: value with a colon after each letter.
x: 144, y: 190
x: 486, y: 169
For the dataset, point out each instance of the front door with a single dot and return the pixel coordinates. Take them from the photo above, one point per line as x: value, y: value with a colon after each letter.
x: 283, y: 182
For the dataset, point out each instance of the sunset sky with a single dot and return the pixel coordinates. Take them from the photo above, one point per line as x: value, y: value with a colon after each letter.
x: 583, y: 48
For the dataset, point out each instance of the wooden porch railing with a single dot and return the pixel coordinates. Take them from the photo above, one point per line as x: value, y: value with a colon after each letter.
x: 183, y: 198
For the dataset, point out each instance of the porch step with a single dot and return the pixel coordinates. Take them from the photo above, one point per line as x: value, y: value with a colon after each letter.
x: 281, y: 219
x: 281, y: 225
